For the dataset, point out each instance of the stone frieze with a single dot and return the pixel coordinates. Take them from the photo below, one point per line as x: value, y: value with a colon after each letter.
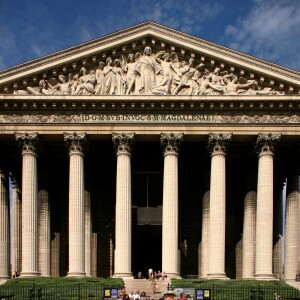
x: 225, y: 118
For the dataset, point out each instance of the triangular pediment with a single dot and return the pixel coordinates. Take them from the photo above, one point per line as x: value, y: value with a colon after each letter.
x: 149, y: 59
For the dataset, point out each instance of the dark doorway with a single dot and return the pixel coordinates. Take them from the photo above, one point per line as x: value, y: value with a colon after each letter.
x: 146, y: 248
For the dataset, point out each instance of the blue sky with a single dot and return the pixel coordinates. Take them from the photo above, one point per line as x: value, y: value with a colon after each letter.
x: 269, y: 29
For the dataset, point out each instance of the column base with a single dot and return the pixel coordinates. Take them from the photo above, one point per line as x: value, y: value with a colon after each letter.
x: 248, y: 278
x: 123, y: 275
x: 173, y: 275
x: 220, y: 276
x: 76, y: 274
x: 29, y: 274
x: 264, y: 277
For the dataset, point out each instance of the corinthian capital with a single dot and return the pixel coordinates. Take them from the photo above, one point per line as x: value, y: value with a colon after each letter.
x: 218, y: 143
x: 266, y: 143
x: 76, y: 143
x: 123, y: 143
x: 171, y: 142
x: 28, y: 142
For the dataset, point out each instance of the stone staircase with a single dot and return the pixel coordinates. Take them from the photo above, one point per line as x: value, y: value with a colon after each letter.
x: 144, y: 285
x: 295, y: 284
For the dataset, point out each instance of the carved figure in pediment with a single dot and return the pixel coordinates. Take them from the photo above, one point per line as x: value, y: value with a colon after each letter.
x: 166, y: 61
x: 148, y: 68
x: 110, y: 78
x: 120, y: 78
x: 232, y: 85
x: 188, y: 79
x: 86, y: 82
x: 131, y: 71
x: 100, y: 78
x: 47, y: 89
x: 63, y: 87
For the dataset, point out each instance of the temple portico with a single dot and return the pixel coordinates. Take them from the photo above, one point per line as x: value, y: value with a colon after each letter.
x: 149, y: 148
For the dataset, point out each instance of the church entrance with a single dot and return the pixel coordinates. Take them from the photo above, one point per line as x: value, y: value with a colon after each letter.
x: 147, y: 194
x: 146, y: 248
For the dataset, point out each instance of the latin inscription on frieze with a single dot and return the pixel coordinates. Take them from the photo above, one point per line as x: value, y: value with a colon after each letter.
x: 149, y: 118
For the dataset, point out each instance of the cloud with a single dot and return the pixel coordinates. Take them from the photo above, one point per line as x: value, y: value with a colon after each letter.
x: 185, y: 16
x: 270, y: 31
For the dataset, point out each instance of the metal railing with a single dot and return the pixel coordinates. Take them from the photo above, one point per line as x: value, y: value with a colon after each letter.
x: 237, y: 292
x: 78, y: 291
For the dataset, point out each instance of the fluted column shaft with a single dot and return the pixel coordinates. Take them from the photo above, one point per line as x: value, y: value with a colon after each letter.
x: 217, y: 209
x: 44, y: 234
x: 75, y: 143
x: 170, y: 144
x: 205, y: 236
x: 4, y: 228
x: 55, y: 250
x: 123, y: 145
x: 88, y: 234
x: 291, y: 249
x: 16, y: 239
x: 29, y: 205
x: 264, y: 217
x: 249, y: 230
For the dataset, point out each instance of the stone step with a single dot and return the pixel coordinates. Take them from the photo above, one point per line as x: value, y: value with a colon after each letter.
x: 144, y: 285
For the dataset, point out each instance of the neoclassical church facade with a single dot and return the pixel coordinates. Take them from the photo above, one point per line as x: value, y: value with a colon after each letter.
x: 149, y: 148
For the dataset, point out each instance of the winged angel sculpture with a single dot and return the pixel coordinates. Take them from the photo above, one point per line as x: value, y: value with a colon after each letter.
x: 161, y: 73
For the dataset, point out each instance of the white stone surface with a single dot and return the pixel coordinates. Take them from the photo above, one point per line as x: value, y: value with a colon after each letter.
x: 55, y: 254
x: 170, y: 217
x: 76, y: 216
x: 291, y: 245
x: 249, y: 231
x: 205, y: 236
x: 29, y: 215
x: 123, y: 216
x: 16, y: 229
x: 216, y: 258
x: 264, y: 221
x: 44, y: 243
x: 4, y: 228
x: 88, y: 234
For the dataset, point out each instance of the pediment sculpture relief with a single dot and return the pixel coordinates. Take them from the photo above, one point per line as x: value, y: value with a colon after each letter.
x: 162, y: 73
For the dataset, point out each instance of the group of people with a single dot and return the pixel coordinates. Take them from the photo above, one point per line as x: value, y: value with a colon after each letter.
x: 151, y: 74
x: 156, y: 275
x: 169, y: 295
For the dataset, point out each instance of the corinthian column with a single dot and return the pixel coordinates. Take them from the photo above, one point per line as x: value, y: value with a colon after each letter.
x: 29, y: 204
x: 123, y: 145
x: 75, y: 143
x: 170, y: 144
x: 291, y: 241
x: 4, y: 228
x: 264, y: 217
x: 217, y: 212
x: 16, y: 228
